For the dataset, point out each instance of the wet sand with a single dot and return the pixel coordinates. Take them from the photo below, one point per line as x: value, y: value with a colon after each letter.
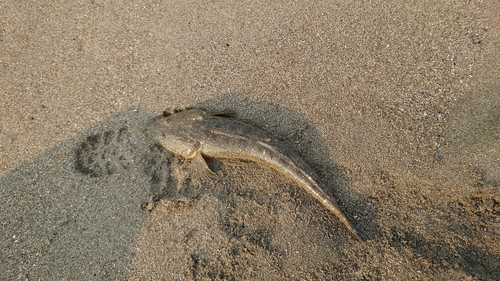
x: 395, y: 105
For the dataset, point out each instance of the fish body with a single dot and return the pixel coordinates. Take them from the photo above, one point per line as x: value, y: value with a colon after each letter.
x: 194, y: 134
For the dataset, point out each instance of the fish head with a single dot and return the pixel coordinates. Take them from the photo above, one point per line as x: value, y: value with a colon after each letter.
x: 177, y: 132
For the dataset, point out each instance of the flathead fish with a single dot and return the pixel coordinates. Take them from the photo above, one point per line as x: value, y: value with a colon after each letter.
x: 193, y: 134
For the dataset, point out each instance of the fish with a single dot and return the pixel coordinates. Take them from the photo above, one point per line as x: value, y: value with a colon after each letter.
x: 195, y: 134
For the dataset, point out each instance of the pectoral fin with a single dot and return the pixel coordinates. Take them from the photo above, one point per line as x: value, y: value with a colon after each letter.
x: 202, y: 169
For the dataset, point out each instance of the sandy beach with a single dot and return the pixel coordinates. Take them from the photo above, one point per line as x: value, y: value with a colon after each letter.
x: 395, y: 105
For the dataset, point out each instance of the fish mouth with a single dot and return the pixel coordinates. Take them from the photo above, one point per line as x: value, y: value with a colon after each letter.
x: 153, y: 131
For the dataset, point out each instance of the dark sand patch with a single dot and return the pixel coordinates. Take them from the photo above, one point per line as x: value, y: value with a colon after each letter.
x: 73, y: 213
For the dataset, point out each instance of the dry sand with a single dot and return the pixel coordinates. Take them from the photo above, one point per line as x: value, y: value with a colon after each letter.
x: 396, y: 105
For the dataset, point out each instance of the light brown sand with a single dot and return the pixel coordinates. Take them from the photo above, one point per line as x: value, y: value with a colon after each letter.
x: 395, y: 105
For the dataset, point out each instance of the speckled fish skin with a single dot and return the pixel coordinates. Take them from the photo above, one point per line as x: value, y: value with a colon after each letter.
x: 194, y: 133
